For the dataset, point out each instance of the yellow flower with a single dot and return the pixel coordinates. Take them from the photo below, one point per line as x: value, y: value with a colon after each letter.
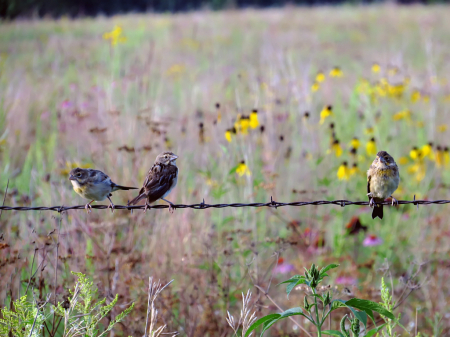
x: 442, y: 128
x: 396, y: 90
x: 415, y: 154
x: 254, y: 122
x: 354, y: 170
x: 229, y: 133
x: 115, y: 36
x: 244, y: 124
x: 355, y: 143
x: 392, y: 71
x: 404, y: 114
x: 446, y: 157
x: 228, y: 136
x: 426, y: 98
x: 403, y: 160
x: 336, y: 148
x: 315, y: 87
x: 336, y: 72
x: 371, y: 147
x: 326, y: 112
x: 376, y: 68
x: 440, y: 160
x: 419, y: 169
x: 320, y: 77
x: 343, y: 172
x: 427, y: 151
x: 368, y: 131
x: 415, y: 96
x: 243, y: 169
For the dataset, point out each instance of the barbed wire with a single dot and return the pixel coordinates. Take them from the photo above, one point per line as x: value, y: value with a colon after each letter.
x: 203, y: 205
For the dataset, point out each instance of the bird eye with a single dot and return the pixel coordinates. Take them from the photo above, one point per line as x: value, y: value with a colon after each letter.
x: 79, y: 175
x: 165, y: 156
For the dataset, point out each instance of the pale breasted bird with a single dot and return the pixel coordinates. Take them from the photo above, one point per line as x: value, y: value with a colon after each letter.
x: 382, y: 180
x: 160, y: 181
x: 94, y: 185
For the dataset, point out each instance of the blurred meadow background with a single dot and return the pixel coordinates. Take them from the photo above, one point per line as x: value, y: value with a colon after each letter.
x: 289, y: 103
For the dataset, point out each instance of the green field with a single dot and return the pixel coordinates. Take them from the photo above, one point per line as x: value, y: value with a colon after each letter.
x: 69, y: 97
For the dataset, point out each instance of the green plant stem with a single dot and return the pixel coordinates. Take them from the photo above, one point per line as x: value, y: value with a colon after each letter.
x: 318, y: 322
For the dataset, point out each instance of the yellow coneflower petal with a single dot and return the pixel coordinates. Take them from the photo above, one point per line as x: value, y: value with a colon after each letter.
x: 376, y: 68
x: 415, y: 153
x: 343, y: 172
x: 415, y: 96
x: 315, y: 87
x: 228, y: 136
x: 244, y: 124
x: 404, y: 114
x: 326, y: 112
x: 320, y: 77
x: 254, y: 122
x: 403, y: 161
x: 427, y: 151
x: 446, y: 157
x: 371, y: 147
x: 439, y: 158
x: 243, y: 169
x: 355, y: 143
x: 442, y: 127
x: 368, y: 131
x: 354, y: 170
x: 336, y: 72
x: 337, y: 149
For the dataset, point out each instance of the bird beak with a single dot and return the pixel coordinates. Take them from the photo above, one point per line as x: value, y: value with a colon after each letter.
x: 72, y: 177
x: 174, y: 157
x: 382, y: 160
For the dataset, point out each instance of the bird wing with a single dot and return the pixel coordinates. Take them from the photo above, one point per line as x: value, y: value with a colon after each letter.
x: 157, y: 184
x: 158, y: 181
x: 98, y: 175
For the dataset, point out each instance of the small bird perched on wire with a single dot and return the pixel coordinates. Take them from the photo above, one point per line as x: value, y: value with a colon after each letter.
x: 94, y: 185
x: 382, y: 180
x: 160, y: 181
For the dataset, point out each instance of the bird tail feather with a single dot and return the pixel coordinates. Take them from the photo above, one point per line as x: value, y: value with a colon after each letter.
x: 137, y: 199
x: 377, y: 211
x: 125, y: 188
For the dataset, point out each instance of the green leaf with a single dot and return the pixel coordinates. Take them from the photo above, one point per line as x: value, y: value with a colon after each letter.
x: 292, y: 312
x: 269, y: 320
x: 361, y: 315
x: 333, y: 333
x: 365, y: 304
x: 233, y: 170
x: 336, y: 304
x: 268, y: 324
x: 260, y: 321
x: 295, y: 277
x: 327, y: 268
x: 372, y: 332
x: 293, y: 282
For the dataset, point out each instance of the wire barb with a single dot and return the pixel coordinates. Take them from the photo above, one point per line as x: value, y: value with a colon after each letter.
x: 203, y: 205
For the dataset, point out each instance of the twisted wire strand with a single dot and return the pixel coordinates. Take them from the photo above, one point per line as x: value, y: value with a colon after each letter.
x: 203, y: 205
